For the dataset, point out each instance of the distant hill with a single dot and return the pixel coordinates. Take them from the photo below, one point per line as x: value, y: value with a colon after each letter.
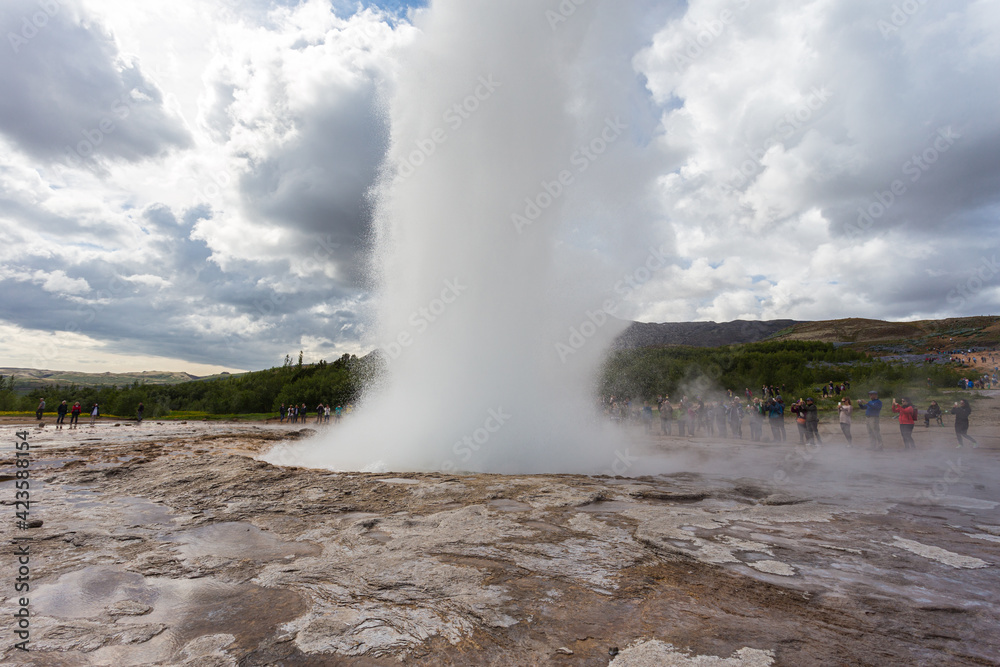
x: 920, y: 336
x: 699, y: 334
x: 33, y: 378
x: 863, y: 334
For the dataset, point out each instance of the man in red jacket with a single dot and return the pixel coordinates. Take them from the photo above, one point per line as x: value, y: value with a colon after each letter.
x: 907, y: 417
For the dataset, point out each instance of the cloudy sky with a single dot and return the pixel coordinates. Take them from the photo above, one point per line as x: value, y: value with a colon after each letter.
x: 186, y: 185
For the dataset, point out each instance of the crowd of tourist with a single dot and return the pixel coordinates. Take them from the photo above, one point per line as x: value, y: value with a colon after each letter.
x: 970, y: 358
x: 725, y: 416
x: 74, y: 412
x: 296, y: 413
x: 984, y: 381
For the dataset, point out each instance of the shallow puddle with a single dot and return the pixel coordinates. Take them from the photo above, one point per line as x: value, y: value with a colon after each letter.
x: 607, y: 506
x: 238, y: 540
x: 379, y: 536
x: 86, y: 593
x: 131, y: 511
x: 508, y: 505
x: 189, y: 608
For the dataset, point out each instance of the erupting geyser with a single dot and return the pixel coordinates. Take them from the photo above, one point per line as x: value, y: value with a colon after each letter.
x: 508, y: 133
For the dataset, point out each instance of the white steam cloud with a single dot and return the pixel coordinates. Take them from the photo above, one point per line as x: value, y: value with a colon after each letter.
x: 512, y: 140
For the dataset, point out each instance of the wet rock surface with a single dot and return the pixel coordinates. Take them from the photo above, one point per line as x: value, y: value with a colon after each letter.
x: 174, y: 545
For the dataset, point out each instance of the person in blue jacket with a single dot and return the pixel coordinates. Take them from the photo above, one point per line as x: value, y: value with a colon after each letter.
x: 776, y: 418
x: 873, y: 409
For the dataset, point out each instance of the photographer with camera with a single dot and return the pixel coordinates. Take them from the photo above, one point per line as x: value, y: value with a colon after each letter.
x: 873, y: 409
x: 844, y: 409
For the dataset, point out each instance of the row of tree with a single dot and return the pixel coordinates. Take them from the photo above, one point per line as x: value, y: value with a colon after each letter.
x: 801, y: 367
x: 336, y: 383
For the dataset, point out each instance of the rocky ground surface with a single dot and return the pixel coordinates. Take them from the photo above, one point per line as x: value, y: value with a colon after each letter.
x: 174, y: 544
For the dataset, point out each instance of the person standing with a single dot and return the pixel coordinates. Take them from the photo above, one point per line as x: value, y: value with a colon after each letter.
x: 666, y: 415
x: 907, y: 418
x: 138, y: 413
x: 776, y: 418
x: 720, y: 418
x: 812, y: 422
x: 40, y: 410
x: 692, y: 420
x: 74, y: 415
x: 736, y: 419
x: 757, y: 412
x: 61, y: 414
x: 682, y: 412
x: 844, y: 408
x: 702, y: 411
x: 282, y: 411
x: 799, y: 410
x: 707, y: 416
x: 873, y: 409
x: 646, y: 415
x: 962, y: 410
x: 326, y: 413
x: 94, y: 414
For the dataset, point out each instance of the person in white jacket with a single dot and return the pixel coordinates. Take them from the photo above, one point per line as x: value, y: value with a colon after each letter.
x: 845, y: 408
